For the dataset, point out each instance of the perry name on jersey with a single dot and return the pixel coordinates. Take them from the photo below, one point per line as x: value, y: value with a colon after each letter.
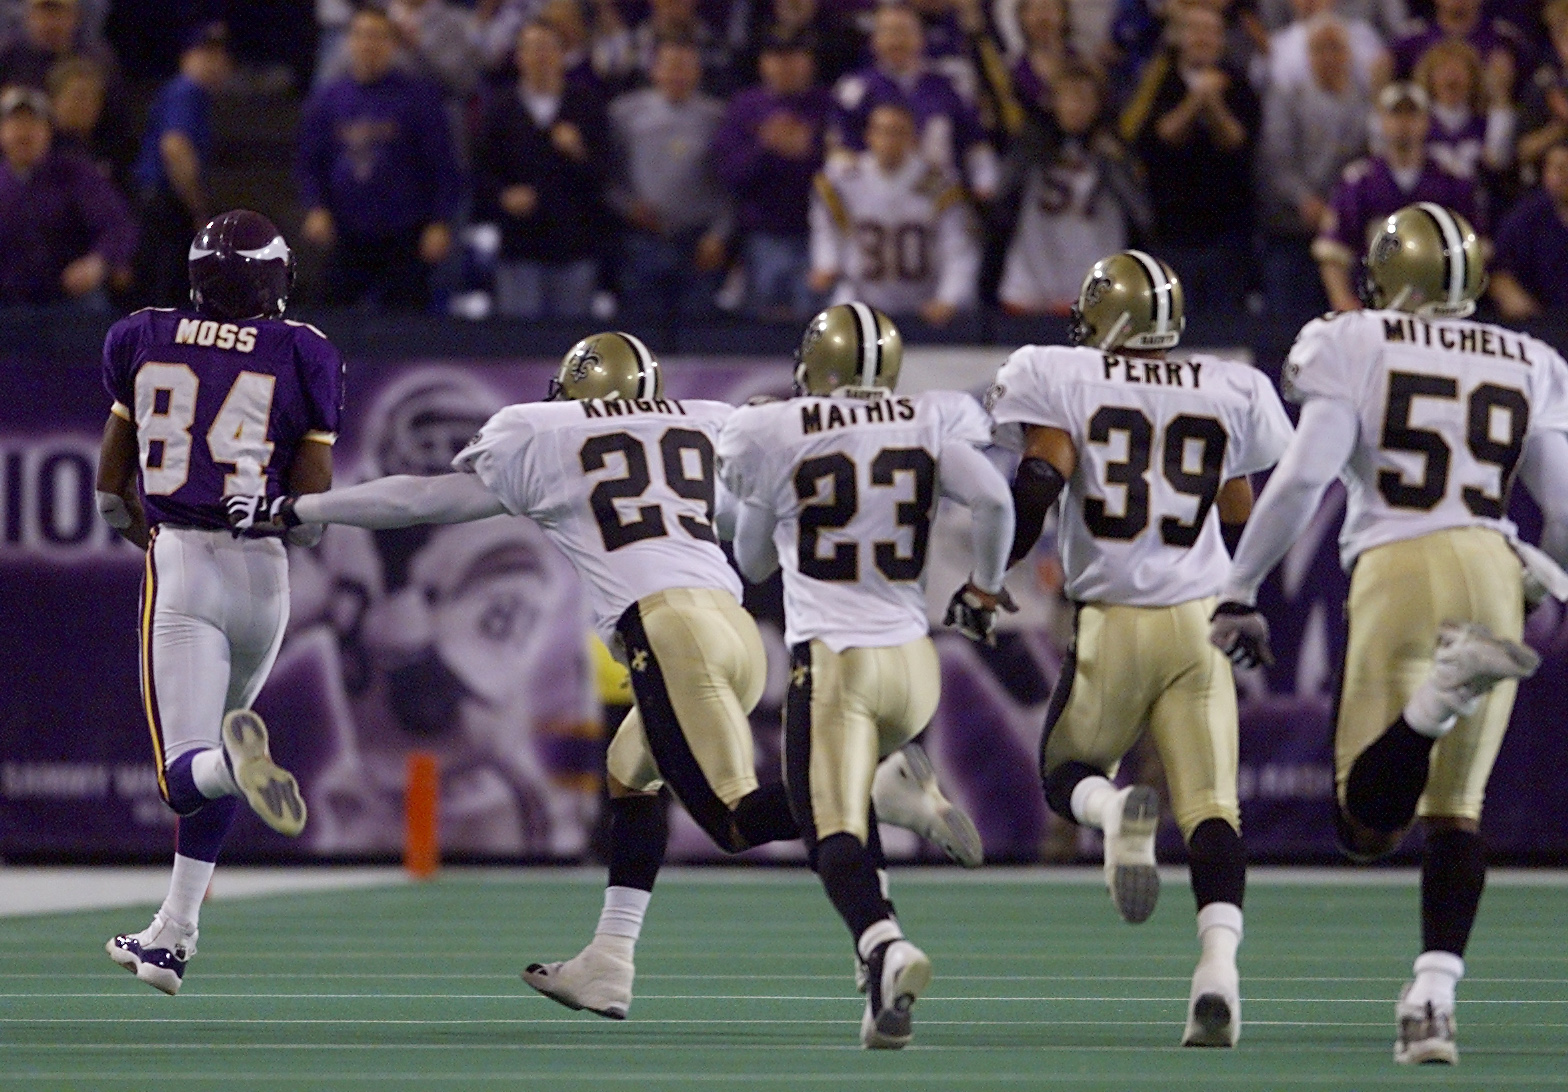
x: 219, y: 407
x: 1156, y: 439
x: 1445, y: 406
x: 852, y: 485
x: 624, y: 488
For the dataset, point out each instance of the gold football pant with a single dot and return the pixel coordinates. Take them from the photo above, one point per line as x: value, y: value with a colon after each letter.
x: 1135, y: 666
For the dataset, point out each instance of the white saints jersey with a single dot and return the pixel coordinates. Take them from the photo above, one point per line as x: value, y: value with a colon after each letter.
x: 1156, y: 439
x: 897, y: 240
x: 1445, y: 406
x: 624, y: 488
x: 853, y: 487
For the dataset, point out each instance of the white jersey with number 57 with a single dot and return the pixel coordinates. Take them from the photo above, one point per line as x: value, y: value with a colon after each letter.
x: 1444, y: 405
x: 852, y: 486
x: 1156, y: 439
x: 625, y: 489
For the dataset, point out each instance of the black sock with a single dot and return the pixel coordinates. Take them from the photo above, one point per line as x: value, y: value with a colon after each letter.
x: 1060, y: 783
x: 1388, y: 778
x: 851, y: 882
x: 763, y: 816
x: 1453, y: 874
x: 1218, y: 862
x: 638, y: 833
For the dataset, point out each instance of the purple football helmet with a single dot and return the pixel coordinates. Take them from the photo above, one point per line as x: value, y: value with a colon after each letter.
x: 240, y: 267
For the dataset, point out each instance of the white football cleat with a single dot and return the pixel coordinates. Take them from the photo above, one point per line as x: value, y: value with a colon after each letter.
x: 1131, y: 822
x: 1426, y: 1032
x: 157, y: 955
x: 905, y: 793
x: 896, y: 975
x: 1213, y: 1007
x: 268, y: 788
x: 1470, y: 660
x: 594, y: 979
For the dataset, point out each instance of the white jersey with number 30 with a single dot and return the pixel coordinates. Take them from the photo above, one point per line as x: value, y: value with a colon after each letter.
x: 1156, y: 439
x: 852, y: 486
x: 1444, y: 405
x: 625, y: 489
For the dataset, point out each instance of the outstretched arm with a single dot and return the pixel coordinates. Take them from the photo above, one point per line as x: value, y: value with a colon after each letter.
x: 402, y: 501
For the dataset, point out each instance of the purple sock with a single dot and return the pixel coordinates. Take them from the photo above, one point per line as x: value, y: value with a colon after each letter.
x: 200, y: 834
x: 183, y: 795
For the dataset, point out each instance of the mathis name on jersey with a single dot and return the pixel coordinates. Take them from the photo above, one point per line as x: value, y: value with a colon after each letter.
x: 1158, y: 373
x: 1464, y: 339
x: 215, y: 335
x: 883, y: 411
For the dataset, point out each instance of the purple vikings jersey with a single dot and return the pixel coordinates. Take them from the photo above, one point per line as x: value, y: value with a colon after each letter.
x: 219, y: 407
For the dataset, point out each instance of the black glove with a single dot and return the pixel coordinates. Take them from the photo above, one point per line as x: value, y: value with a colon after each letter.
x: 257, y: 513
x: 1242, y: 633
x: 968, y: 614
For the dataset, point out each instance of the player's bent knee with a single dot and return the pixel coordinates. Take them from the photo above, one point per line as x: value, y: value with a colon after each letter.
x: 1060, y: 782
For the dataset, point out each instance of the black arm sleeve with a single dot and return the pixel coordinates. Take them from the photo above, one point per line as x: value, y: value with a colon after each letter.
x: 1035, y: 488
x: 1231, y: 533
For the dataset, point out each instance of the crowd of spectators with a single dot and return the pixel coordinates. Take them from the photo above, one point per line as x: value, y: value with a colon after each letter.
x: 555, y: 158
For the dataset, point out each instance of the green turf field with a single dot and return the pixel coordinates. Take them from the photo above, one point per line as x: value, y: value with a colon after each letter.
x: 744, y: 981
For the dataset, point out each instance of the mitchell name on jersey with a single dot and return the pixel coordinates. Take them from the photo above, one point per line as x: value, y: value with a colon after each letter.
x: 1445, y: 406
x: 1156, y: 439
x: 852, y: 486
x: 624, y: 488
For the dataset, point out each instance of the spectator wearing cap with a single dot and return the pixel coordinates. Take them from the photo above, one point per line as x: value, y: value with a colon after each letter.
x: 64, y: 230
x: 378, y: 174
x: 948, y: 129
x: 171, y: 171
x: 1532, y: 246
x: 1194, y: 121
x: 663, y: 184
x: 1370, y: 189
x: 539, y: 162
x: 1312, y: 131
x: 767, y: 150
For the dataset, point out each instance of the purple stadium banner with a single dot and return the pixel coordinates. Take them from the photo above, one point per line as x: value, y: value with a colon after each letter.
x: 472, y: 642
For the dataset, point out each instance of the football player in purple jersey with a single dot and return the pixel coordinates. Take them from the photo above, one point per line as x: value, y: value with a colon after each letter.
x: 226, y: 397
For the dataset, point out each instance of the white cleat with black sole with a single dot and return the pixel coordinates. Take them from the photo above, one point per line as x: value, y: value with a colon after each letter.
x: 905, y: 793
x: 1426, y: 1033
x: 897, y: 973
x: 1470, y: 660
x: 1213, y: 1007
x: 594, y: 980
x: 268, y: 788
x: 1131, y: 822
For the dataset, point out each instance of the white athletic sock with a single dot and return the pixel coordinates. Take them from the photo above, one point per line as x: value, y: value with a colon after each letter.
x: 877, y: 933
x: 187, y: 887
x: 1427, y: 713
x: 624, y: 908
x: 211, y: 774
x: 1437, y: 973
x: 1219, y: 930
x: 1090, y: 797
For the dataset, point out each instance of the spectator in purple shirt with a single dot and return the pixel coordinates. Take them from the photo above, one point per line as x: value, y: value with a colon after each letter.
x: 949, y: 130
x: 377, y: 174
x: 64, y: 230
x: 539, y: 173
x: 1532, y: 246
x: 767, y: 150
x: 1372, y: 188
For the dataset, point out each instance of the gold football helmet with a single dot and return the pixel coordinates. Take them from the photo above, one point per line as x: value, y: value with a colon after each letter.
x: 1425, y: 259
x: 850, y: 348
x: 609, y: 366
x: 1132, y: 300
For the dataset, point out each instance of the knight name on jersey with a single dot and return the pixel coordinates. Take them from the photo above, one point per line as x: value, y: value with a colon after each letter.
x: 814, y: 417
x: 1160, y: 373
x: 216, y: 335
x: 1461, y: 339
x: 625, y: 407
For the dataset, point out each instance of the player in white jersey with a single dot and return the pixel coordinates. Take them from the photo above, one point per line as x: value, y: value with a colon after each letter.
x: 1150, y: 456
x: 621, y: 479
x: 1427, y: 418
x: 889, y: 228
x: 839, y: 486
